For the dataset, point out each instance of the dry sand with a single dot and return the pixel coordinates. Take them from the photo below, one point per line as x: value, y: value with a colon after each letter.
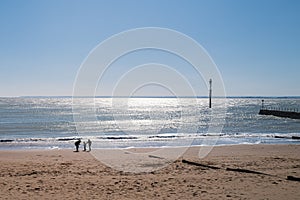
x: 63, y: 174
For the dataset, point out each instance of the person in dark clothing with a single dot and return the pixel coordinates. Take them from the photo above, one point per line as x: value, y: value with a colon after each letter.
x: 77, y: 143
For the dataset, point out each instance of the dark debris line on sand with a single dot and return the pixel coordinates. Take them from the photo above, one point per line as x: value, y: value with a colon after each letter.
x: 290, y: 178
x: 199, y: 164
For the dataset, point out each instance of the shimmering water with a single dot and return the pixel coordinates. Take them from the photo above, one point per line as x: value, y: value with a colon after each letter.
x: 142, y: 122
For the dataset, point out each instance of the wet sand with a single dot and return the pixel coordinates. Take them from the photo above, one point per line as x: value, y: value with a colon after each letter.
x: 229, y: 172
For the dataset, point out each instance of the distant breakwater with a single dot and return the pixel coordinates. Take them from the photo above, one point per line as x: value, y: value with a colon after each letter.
x: 280, y: 113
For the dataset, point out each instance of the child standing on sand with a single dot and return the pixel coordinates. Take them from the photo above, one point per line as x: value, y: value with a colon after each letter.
x: 84, y: 146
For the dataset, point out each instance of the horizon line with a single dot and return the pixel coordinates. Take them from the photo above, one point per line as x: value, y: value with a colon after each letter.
x: 146, y: 96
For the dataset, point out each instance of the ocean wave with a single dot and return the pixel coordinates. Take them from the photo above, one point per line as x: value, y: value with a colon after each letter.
x: 294, y: 136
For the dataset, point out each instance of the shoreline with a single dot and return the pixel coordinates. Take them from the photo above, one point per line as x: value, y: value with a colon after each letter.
x: 39, y: 144
x: 7, y: 146
x: 62, y: 174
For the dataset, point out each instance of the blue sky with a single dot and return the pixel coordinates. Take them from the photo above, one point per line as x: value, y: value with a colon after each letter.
x: 255, y: 44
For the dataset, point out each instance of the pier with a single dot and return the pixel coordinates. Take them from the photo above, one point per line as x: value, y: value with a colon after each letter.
x: 279, y: 112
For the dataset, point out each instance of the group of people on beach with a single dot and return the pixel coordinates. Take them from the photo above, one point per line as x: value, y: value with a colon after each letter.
x: 85, y: 144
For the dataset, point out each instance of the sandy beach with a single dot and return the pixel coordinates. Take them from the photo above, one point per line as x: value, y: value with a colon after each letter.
x: 228, y: 172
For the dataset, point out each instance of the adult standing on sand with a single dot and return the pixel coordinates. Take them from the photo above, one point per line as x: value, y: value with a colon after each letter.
x: 77, y: 143
x: 89, y: 142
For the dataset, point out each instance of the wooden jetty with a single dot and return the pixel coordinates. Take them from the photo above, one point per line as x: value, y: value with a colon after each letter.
x: 278, y: 113
x: 292, y: 114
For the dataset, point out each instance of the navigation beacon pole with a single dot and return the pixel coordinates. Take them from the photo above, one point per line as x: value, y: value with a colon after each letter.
x: 210, y: 92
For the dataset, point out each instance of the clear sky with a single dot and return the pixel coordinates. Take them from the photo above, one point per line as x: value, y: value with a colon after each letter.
x: 255, y: 44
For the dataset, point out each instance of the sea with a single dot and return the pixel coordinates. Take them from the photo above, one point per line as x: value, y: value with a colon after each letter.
x: 142, y: 122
